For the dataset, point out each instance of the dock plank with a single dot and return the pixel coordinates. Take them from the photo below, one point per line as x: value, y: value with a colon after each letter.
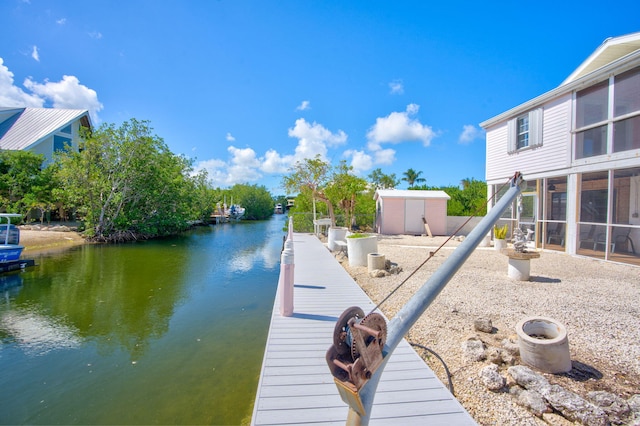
x: 296, y: 386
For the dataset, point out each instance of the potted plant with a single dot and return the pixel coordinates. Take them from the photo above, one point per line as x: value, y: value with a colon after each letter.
x: 359, y: 246
x: 500, y: 237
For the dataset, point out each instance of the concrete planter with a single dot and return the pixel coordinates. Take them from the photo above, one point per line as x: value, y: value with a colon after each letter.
x: 359, y: 248
x: 499, y: 244
x: 376, y: 261
x: 336, y: 234
x: 544, y: 345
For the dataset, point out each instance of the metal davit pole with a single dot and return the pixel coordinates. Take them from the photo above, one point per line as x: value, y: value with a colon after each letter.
x: 359, y: 389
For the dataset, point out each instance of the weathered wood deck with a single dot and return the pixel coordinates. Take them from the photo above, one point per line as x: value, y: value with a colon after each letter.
x: 296, y: 386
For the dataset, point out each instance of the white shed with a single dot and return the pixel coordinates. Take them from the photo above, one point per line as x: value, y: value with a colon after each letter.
x: 402, y: 211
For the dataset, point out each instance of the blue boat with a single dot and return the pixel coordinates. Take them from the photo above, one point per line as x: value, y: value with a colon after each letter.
x: 10, y: 248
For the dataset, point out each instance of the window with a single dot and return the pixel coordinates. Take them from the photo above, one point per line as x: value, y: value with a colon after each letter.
x: 594, y: 123
x: 525, y: 131
x: 593, y: 197
x: 60, y: 143
x: 66, y: 129
x: 626, y: 131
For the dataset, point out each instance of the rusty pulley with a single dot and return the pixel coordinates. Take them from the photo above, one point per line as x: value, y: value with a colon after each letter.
x: 356, y: 352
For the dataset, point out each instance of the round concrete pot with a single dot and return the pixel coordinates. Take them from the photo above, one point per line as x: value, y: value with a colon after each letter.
x: 336, y: 233
x: 376, y: 261
x: 359, y: 247
x: 499, y: 244
x: 544, y: 345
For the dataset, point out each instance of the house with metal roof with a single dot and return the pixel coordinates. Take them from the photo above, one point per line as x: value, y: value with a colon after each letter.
x: 578, y: 147
x: 409, y: 211
x: 41, y: 130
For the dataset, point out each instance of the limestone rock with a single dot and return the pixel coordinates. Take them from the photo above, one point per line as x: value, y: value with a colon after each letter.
x: 473, y: 350
x: 507, y: 358
x: 533, y: 401
x: 511, y: 346
x: 617, y: 409
x: 575, y: 408
x: 483, y: 324
x: 491, y: 378
x: 378, y: 273
x: 493, y: 355
x: 634, y: 406
x: 528, y: 379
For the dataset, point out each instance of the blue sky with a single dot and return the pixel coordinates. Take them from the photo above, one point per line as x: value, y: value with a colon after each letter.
x: 246, y: 88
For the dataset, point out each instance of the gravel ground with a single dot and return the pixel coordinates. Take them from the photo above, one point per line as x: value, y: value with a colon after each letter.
x: 598, y: 302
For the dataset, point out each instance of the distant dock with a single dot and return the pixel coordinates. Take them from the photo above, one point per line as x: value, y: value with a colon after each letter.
x: 296, y: 386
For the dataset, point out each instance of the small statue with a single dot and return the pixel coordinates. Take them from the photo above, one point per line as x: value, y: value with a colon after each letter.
x: 520, y: 239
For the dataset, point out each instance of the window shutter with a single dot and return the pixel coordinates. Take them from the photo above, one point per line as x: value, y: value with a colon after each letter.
x: 535, y: 127
x: 511, y: 135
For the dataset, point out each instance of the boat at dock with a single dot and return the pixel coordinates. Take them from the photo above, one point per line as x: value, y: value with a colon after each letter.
x: 10, y: 248
x: 227, y: 213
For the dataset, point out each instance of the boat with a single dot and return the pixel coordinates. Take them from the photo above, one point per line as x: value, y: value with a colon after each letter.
x: 278, y: 209
x: 10, y: 248
x: 235, y: 212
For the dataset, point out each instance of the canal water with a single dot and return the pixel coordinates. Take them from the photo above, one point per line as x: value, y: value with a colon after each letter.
x: 167, y: 331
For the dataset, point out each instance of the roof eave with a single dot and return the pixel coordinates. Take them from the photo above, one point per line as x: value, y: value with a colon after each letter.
x: 620, y: 65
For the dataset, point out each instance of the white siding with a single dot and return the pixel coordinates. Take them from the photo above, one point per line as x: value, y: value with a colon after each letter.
x: 554, y: 154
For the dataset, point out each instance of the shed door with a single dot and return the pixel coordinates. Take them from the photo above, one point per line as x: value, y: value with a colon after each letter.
x: 413, y: 214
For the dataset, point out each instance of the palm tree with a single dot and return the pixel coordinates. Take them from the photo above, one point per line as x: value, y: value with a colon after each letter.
x: 412, y: 177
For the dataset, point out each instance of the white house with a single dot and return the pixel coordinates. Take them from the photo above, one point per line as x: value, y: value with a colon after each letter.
x: 41, y: 130
x: 405, y: 211
x: 578, y: 148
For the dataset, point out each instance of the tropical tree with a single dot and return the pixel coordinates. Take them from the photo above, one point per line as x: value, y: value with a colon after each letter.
x: 383, y: 181
x: 127, y: 184
x: 343, y: 190
x: 411, y: 177
x: 312, y: 175
x: 256, y: 200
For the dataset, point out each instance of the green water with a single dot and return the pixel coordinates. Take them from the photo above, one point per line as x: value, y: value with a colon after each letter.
x: 155, y: 332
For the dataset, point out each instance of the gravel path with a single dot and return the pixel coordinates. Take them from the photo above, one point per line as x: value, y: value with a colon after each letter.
x: 598, y: 302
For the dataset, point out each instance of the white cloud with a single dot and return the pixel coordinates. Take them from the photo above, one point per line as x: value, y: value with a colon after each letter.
x: 276, y: 163
x: 396, y: 87
x: 67, y: 93
x: 230, y: 137
x: 95, y: 34
x: 61, y: 21
x: 399, y: 127
x: 360, y: 160
x: 244, y: 166
x: 469, y: 134
x: 34, y: 53
x: 385, y: 156
x: 305, y: 105
x: 313, y: 139
x: 13, y: 96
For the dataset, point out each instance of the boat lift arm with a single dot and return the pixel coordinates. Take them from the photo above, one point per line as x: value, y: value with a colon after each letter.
x: 360, y: 392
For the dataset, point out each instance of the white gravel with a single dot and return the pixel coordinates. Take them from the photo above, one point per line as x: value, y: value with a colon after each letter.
x: 598, y: 302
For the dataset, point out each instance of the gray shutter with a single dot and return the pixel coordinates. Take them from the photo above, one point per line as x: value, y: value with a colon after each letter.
x: 511, y: 135
x: 535, y: 127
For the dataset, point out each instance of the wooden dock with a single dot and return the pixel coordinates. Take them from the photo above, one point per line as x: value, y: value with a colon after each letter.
x: 296, y: 386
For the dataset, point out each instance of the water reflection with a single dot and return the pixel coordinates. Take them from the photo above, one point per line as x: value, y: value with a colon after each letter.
x: 167, y: 331
x: 35, y: 333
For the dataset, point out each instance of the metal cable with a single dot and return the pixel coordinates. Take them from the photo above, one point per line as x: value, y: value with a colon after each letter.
x: 446, y: 369
x: 433, y: 253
